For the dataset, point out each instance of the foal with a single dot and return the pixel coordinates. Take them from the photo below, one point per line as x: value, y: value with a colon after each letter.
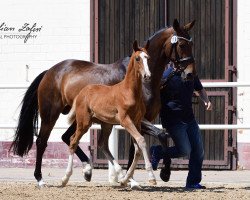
x: 118, y: 104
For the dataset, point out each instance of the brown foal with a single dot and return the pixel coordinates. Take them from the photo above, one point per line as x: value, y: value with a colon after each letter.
x: 122, y: 104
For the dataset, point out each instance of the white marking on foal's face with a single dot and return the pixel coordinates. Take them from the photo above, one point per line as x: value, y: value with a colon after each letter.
x: 144, y: 58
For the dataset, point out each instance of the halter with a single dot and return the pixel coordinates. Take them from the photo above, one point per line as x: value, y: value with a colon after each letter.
x: 180, y: 63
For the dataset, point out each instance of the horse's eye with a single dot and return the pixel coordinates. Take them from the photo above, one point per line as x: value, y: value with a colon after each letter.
x: 182, y: 45
x: 137, y: 58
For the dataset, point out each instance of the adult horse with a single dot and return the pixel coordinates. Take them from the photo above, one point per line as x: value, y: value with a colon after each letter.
x: 53, y: 91
x: 121, y: 103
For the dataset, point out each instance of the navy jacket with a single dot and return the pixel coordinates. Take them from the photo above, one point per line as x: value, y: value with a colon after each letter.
x: 176, y: 98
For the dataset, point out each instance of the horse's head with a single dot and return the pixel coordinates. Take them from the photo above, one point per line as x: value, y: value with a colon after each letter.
x: 140, y: 57
x: 178, y: 48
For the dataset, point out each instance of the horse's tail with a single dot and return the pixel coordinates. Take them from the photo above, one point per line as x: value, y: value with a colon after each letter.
x: 72, y: 113
x: 28, y: 120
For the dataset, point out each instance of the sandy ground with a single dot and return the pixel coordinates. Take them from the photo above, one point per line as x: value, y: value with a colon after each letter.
x: 16, y: 184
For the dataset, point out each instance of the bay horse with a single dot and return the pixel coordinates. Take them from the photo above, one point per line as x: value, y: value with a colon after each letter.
x: 52, y: 92
x: 122, y: 104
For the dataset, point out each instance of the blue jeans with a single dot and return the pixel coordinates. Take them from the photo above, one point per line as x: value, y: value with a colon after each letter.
x: 188, y: 142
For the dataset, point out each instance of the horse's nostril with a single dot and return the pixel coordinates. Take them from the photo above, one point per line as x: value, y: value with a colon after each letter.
x: 146, y: 77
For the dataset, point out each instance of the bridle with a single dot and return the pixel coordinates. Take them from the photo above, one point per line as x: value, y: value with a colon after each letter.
x: 180, y: 63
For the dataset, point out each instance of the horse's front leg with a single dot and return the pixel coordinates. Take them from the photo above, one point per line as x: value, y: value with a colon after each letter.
x: 148, y: 166
x: 130, y: 171
x: 140, y: 140
x: 149, y: 129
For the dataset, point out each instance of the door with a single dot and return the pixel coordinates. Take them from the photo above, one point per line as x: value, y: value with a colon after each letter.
x: 117, y: 23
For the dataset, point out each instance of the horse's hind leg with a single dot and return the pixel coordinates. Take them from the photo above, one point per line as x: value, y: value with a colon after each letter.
x: 41, y: 144
x: 87, y: 169
x: 103, y: 144
x: 82, y: 128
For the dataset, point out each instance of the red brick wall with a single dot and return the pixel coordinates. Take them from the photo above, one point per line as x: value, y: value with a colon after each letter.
x: 56, y: 155
x: 244, y: 155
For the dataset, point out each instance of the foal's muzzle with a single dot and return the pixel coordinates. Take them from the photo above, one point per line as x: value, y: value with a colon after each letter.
x: 146, y: 77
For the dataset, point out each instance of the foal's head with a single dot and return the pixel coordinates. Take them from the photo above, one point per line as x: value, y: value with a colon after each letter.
x: 178, y: 48
x: 140, y: 58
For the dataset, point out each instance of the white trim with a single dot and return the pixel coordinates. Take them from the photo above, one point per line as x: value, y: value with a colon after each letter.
x: 205, y: 84
x: 226, y: 84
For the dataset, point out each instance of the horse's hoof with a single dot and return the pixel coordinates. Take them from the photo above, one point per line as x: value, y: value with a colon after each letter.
x: 87, y: 176
x: 152, y: 182
x: 134, y: 185
x: 87, y: 172
x: 41, y: 184
x: 65, y: 180
x: 165, y: 174
x: 123, y: 184
x: 113, y: 179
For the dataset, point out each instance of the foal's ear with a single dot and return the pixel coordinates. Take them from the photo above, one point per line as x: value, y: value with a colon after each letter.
x: 135, y: 46
x: 147, y: 45
x: 176, y: 25
x: 189, y: 26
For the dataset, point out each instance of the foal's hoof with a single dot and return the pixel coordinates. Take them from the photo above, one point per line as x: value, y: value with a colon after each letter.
x: 152, y: 182
x: 134, y: 185
x: 65, y: 180
x: 123, y: 183
x: 87, y: 172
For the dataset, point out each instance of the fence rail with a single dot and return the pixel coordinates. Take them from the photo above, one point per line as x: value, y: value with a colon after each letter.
x: 119, y: 127
x: 205, y: 84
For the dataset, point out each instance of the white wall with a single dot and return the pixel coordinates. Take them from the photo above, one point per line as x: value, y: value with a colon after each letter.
x: 243, y: 59
x: 65, y: 34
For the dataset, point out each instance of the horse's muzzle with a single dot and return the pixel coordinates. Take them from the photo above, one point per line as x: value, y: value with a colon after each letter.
x: 146, y: 77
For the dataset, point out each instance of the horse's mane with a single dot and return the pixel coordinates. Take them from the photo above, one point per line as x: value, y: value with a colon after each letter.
x: 159, y: 31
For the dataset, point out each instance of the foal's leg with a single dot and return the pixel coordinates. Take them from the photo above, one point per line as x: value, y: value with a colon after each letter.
x: 149, y: 129
x: 131, y: 128
x: 82, y: 128
x: 87, y: 169
x: 103, y: 144
x: 130, y: 171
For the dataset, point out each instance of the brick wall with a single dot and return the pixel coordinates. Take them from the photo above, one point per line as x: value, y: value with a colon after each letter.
x: 64, y: 34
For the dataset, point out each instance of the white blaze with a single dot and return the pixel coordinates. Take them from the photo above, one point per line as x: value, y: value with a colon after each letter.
x: 144, y: 56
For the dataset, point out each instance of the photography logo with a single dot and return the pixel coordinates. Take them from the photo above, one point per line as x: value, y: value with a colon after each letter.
x: 24, y: 32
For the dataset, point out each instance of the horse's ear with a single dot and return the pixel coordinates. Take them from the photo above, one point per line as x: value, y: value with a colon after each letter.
x: 147, y: 45
x: 135, y: 46
x: 176, y: 25
x: 189, y: 26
